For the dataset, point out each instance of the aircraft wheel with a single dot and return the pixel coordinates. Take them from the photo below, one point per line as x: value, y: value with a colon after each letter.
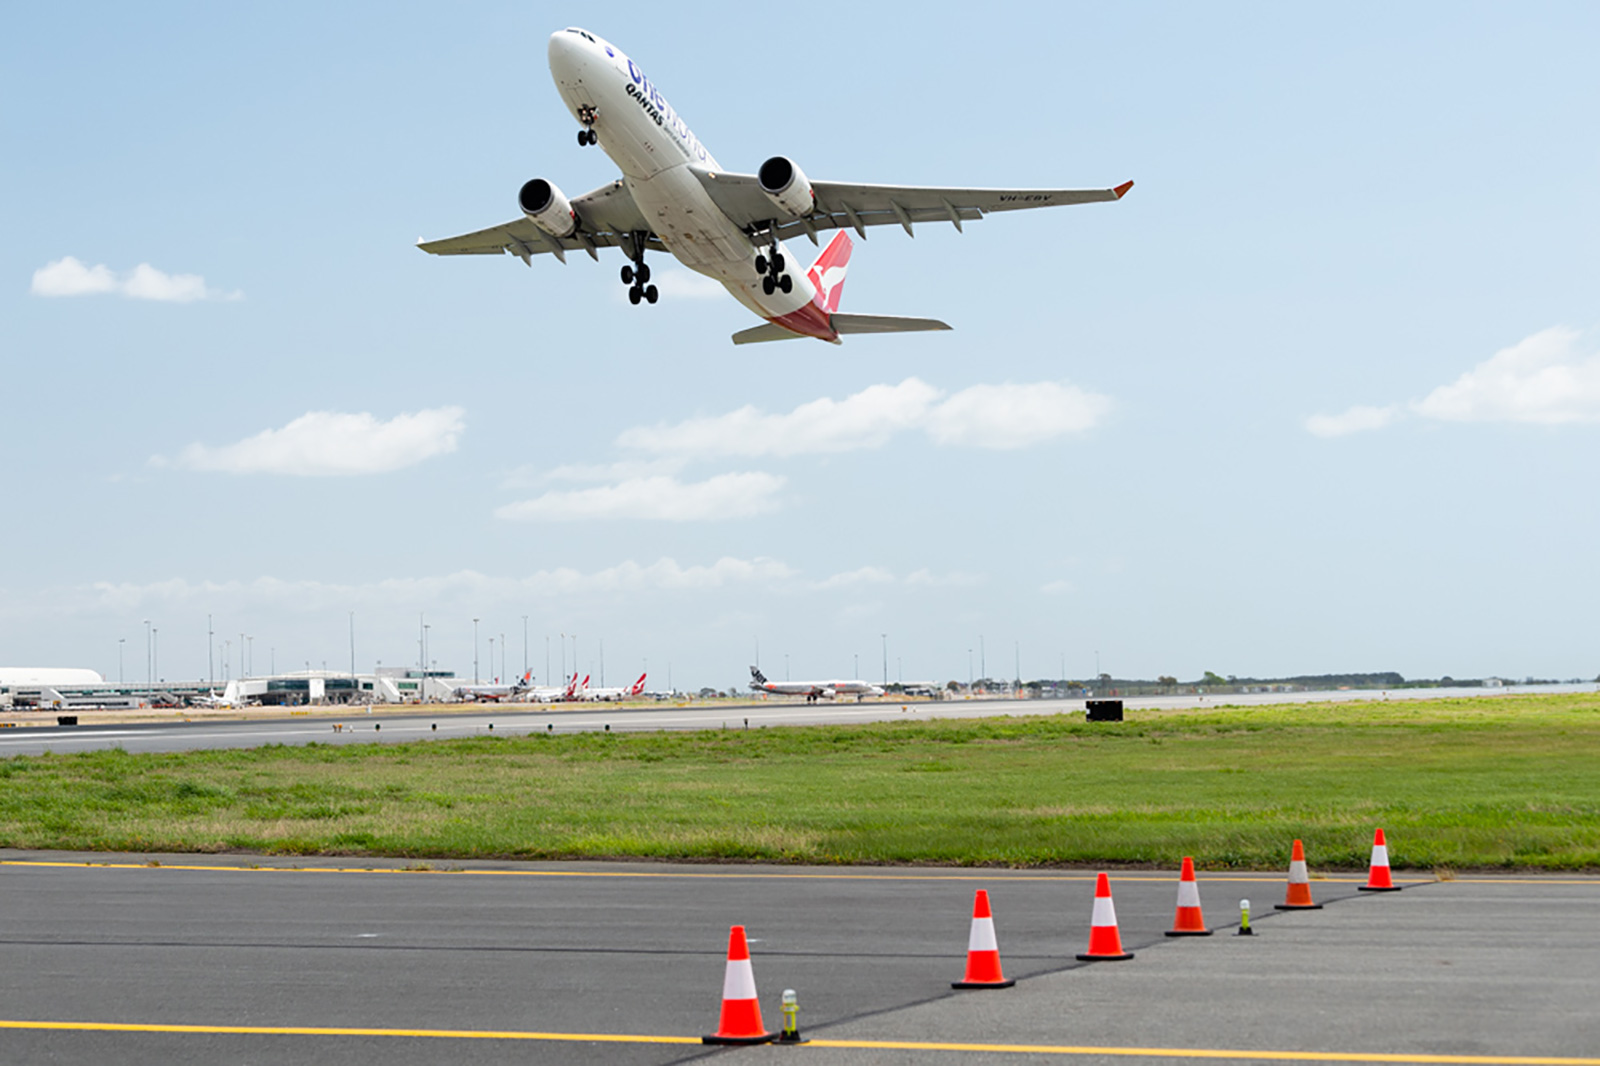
x: 627, y: 275
x: 644, y: 273
x: 786, y: 283
x: 583, y: 138
x: 594, y: 138
x: 650, y: 294
x: 634, y: 295
x: 777, y: 264
x: 767, y: 285
x: 761, y: 264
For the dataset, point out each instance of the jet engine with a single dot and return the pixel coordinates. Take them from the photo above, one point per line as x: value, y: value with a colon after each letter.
x: 541, y: 201
x: 785, y: 185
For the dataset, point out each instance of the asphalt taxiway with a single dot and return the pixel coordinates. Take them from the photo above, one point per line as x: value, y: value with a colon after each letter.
x: 363, y: 725
x: 206, y: 959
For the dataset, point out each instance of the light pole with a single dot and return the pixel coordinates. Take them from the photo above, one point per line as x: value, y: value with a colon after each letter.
x: 969, y: 669
x: 120, y: 642
x: 250, y: 655
x: 885, y: 637
x: 227, y: 658
x: 983, y: 659
x: 425, y: 635
x: 1018, y: 663
x: 855, y: 676
x: 474, y: 651
x: 602, y: 662
x: 149, y: 666
x: 352, y: 644
x: 211, y: 639
x: 241, y: 654
x: 786, y: 666
x: 155, y: 651
x: 491, y: 659
x: 563, y: 658
x: 524, y: 644
x: 502, y: 658
x: 547, y: 658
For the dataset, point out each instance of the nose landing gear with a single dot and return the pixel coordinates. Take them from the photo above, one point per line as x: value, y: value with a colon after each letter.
x: 587, y: 135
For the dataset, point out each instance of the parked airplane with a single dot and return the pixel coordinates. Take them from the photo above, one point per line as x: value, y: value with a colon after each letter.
x: 555, y: 694
x: 674, y: 197
x: 813, y: 690
x: 494, y: 693
x: 630, y: 691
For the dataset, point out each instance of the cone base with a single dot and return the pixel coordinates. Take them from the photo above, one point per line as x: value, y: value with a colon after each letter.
x: 1245, y: 932
x: 1189, y: 932
x: 1105, y: 958
x: 1377, y: 888
x: 764, y: 1038
x: 1297, y: 906
x: 1007, y: 983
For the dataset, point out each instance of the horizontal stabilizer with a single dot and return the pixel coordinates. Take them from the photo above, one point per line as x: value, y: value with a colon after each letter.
x: 884, y: 324
x: 770, y: 331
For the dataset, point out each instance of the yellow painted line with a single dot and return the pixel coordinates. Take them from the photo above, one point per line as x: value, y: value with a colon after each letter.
x: 312, y: 1030
x: 730, y: 871
x: 1210, y: 1053
x: 855, y: 1045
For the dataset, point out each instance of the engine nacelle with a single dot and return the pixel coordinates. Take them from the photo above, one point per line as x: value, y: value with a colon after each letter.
x: 786, y: 185
x: 541, y: 201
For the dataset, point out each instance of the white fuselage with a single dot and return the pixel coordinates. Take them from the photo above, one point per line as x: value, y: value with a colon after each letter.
x: 655, y: 149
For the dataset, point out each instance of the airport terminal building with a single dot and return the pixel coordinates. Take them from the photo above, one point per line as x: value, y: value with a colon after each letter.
x: 70, y: 688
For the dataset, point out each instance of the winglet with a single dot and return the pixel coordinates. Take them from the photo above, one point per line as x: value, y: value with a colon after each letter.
x: 1122, y: 190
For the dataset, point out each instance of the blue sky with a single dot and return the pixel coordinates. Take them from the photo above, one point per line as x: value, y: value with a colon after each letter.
x: 1321, y: 394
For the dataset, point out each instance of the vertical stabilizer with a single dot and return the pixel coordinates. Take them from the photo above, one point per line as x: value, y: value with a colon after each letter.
x: 827, y: 273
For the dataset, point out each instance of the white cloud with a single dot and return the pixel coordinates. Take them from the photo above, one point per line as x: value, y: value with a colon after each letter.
x: 1543, y: 379
x: 985, y: 416
x: 866, y: 575
x: 464, y: 587
x: 1015, y: 416
x: 1356, y: 420
x: 68, y: 276
x: 1057, y: 588
x: 329, y: 443
x: 663, y: 498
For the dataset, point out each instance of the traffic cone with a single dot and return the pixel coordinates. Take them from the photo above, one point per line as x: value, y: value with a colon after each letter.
x: 1299, y: 895
x: 983, y: 951
x: 1105, y: 943
x: 1378, y: 875
x: 741, y: 1010
x: 1189, y: 921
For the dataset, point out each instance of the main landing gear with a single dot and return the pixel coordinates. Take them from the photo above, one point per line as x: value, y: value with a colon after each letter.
x: 770, y: 266
x: 637, y: 276
x: 587, y: 135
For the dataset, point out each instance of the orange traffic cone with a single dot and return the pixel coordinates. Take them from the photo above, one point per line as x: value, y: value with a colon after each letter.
x: 1378, y: 875
x: 1105, y: 943
x: 1299, y: 895
x: 1189, y: 920
x: 741, y: 1010
x: 983, y: 951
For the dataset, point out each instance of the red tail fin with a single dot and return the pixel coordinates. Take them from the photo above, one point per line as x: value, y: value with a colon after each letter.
x: 827, y: 273
x: 638, y: 686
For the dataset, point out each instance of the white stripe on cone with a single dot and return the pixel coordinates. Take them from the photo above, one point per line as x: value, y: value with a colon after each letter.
x: 1297, y: 873
x: 1380, y: 855
x: 739, y: 980
x: 1104, y: 912
x: 982, y: 936
x: 1188, y: 894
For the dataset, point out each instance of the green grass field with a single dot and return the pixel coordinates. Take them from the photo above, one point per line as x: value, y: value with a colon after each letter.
x: 1500, y: 782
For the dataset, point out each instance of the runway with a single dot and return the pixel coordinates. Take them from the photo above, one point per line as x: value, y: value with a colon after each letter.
x: 362, y: 725
x: 603, y: 963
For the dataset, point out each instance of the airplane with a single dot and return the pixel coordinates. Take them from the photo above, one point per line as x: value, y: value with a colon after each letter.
x: 674, y: 197
x: 493, y: 693
x: 813, y: 690
x: 635, y: 689
x: 558, y: 694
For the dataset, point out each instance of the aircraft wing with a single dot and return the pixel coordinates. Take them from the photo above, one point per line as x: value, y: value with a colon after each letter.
x: 840, y: 204
x: 605, y: 216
